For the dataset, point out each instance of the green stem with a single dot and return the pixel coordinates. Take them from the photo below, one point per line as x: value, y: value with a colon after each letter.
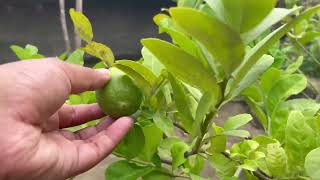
x: 198, y: 3
x: 238, y: 172
x: 258, y: 173
x: 180, y: 127
x: 203, y: 131
x: 315, y: 60
x: 311, y: 86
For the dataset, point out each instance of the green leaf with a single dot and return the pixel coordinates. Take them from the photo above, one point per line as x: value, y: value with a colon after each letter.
x: 242, y: 15
x: 163, y: 122
x: 88, y: 97
x: 312, y: 164
x: 205, y: 8
x: 264, y: 141
x: 204, y: 107
x: 63, y: 56
x: 125, y: 170
x: 258, y: 111
x: 269, y: 78
x: 157, y: 175
x: 253, y: 92
x: 178, y: 151
x: 292, y: 68
x: 166, y: 145
x: 308, y: 37
x: 276, y: 15
x: 249, y: 176
x: 74, y: 99
x: 186, y: 3
x: 223, y: 43
x: 237, y: 133
x: 132, y: 144
x: 244, y: 148
x: 140, y: 81
x: 147, y: 74
x: 82, y: 25
x: 101, y: 51
x: 300, y: 139
x: 284, y: 88
x: 237, y: 121
x: 183, y: 66
x: 302, y: 105
x: 224, y: 166
x: 218, y: 142
x: 179, y: 38
x: 20, y: 52
x: 182, y: 102
x: 276, y: 160
x: 99, y: 65
x: 197, y: 177
x: 153, y: 136
x: 31, y: 49
x: 76, y: 57
x: 29, y: 52
x: 151, y: 62
x: 250, y: 165
x: 278, y: 124
x: 264, y: 45
x: 253, y: 75
x: 195, y: 164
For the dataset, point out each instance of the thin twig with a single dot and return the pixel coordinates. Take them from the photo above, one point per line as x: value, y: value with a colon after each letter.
x: 203, y: 131
x: 258, y: 173
x: 238, y: 172
x: 311, y: 86
x: 77, y: 40
x: 165, y: 161
x: 307, y: 52
x: 180, y: 127
x: 64, y: 26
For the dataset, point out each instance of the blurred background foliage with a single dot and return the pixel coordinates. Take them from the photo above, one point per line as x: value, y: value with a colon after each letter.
x: 123, y: 23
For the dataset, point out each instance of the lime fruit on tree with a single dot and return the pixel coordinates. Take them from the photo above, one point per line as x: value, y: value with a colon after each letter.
x: 120, y: 96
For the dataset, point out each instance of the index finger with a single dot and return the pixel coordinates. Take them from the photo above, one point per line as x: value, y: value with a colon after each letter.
x: 46, y: 85
x: 84, y: 79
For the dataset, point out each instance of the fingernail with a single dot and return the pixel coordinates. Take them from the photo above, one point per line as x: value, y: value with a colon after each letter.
x: 104, y: 72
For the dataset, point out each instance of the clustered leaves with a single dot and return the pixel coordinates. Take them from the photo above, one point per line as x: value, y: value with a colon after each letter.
x: 220, y: 51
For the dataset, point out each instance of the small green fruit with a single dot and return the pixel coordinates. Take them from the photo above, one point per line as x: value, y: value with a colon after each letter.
x: 120, y: 96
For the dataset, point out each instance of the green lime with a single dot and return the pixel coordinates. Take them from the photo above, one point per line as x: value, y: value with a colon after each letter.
x: 120, y: 96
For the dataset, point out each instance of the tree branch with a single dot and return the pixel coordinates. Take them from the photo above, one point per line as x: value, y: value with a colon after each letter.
x: 64, y: 26
x: 77, y: 40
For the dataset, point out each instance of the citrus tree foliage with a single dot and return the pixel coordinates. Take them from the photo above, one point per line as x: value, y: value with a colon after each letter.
x: 219, y: 51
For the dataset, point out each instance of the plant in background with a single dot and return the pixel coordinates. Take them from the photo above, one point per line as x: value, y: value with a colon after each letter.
x: 213, y: 58
x: 303, y: 40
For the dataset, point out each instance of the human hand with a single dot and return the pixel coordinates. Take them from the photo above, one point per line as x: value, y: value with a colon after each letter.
x: 32, y: 142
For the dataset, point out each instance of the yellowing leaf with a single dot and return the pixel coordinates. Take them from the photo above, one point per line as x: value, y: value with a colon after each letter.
x: 100, y: 51
x: 160, y: 17
x: 82, y: 25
